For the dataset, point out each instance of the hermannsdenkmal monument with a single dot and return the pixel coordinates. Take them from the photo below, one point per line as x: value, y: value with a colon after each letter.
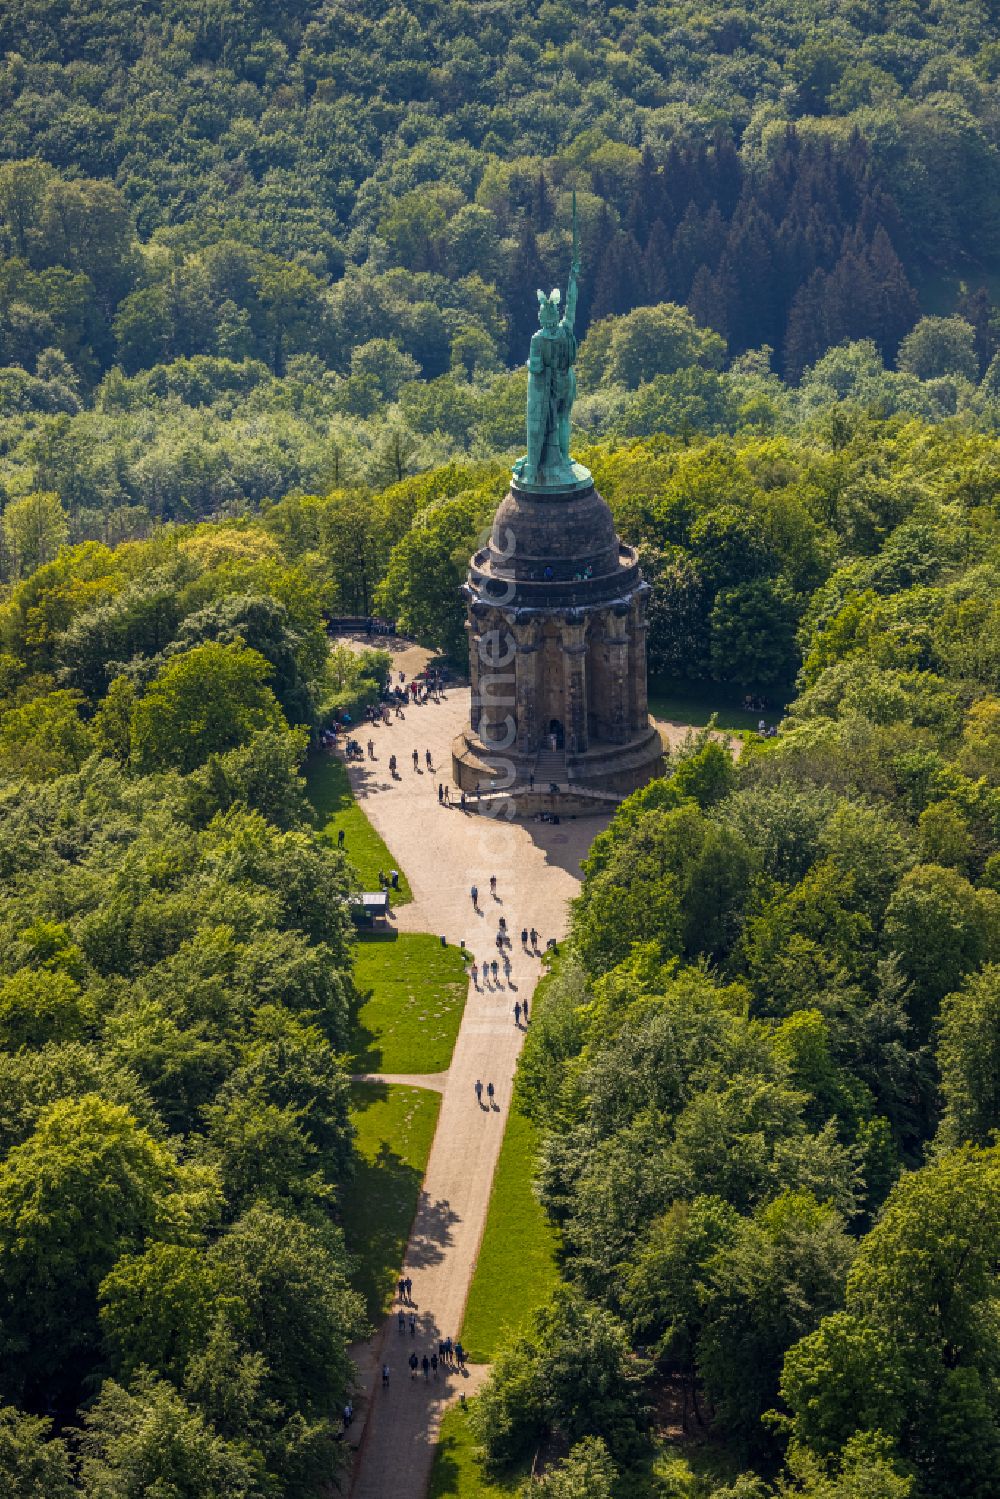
x: 556, y: 616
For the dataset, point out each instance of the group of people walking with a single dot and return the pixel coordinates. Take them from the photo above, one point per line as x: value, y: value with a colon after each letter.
x: 449, y: 1353
x: 427, y: 686
x: 490, y: 967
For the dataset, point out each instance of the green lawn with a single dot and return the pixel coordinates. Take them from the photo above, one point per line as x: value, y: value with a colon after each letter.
x: 695, y: 702
x: 457, y: 1471
x: 415, y: 993
x: 395, y: 1127
x: 330, y: 793
x: 516, y: 1270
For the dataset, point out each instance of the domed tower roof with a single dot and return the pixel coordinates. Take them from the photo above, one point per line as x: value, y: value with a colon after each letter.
x: 553, y: 550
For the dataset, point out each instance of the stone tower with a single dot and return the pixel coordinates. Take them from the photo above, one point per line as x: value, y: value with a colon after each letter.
x: 556, y: 616
x: 557, y: 651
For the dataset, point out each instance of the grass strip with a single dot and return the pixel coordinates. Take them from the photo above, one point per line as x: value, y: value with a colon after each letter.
x: 395, y: 1126
x: 516, y: 1270
x: 330, y: 792
x: 415, y: 993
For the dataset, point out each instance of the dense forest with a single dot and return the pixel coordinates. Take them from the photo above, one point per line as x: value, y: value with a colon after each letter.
x: 266, y: 284
x: 307, y: 237
x: 767, y: 1067
x: 173, y: 1007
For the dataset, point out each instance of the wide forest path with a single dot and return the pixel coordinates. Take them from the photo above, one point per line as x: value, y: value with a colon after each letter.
x: 444, y: 852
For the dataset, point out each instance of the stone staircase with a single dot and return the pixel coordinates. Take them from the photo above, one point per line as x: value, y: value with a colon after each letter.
x: 550, y: 766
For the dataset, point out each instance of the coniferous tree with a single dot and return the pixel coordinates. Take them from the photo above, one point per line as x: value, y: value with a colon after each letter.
x: 620, y: 283
x: 656, y: 264
x: 707, y: 301
x: 977, y: 308
x: 525, y: 272
x: 804, y: 337
x: 542, y: 207
x: 896, y: 308
x: 727, y: 173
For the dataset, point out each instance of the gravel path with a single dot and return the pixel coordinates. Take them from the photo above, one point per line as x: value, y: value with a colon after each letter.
x: 443, y: 852
x: 435, y: 1081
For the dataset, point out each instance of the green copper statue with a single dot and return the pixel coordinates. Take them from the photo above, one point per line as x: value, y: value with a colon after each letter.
x: 552, y: 390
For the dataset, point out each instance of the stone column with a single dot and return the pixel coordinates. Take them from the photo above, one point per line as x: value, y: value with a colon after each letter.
x: 472, y: 632
x: 574, y: 649
x: 638, y: 692
x: 496, y: 650
x: 619, y: 694
x: 528, y: 729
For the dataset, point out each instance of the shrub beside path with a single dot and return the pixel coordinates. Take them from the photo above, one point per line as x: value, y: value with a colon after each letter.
x: 444, y: 852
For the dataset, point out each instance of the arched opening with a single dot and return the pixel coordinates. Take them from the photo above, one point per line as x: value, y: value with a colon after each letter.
x: 556, y: 734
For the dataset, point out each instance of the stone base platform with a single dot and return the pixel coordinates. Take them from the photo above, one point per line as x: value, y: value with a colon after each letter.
x: 590, y: 783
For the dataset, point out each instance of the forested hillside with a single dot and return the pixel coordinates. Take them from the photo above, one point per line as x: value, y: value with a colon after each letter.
x: 307, y: 236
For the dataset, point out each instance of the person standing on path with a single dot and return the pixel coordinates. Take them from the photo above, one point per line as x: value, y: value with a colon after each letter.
x: 409, y: 1288
x: 402, y: 1323
x: 401, y: 1288
x: 460, y: 1355
x: 517, y: 1012
x: 434, y: 1364
x: 425, y: 1364
x: 493, y: 886
x: 385, y: 1376
x: 441, y: 793
x: 534, y: 939
x: 413, y: 1326
x: 525, y: 1009
x: 489, y: 1095
x: 427, y: 760
x: 416, y: 759
x: 474, y: 892
x: 495, y: 966
x: 414, y: 1365
x: 479, y: 1093
x: 524, y: 936
x: 475, y: 975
